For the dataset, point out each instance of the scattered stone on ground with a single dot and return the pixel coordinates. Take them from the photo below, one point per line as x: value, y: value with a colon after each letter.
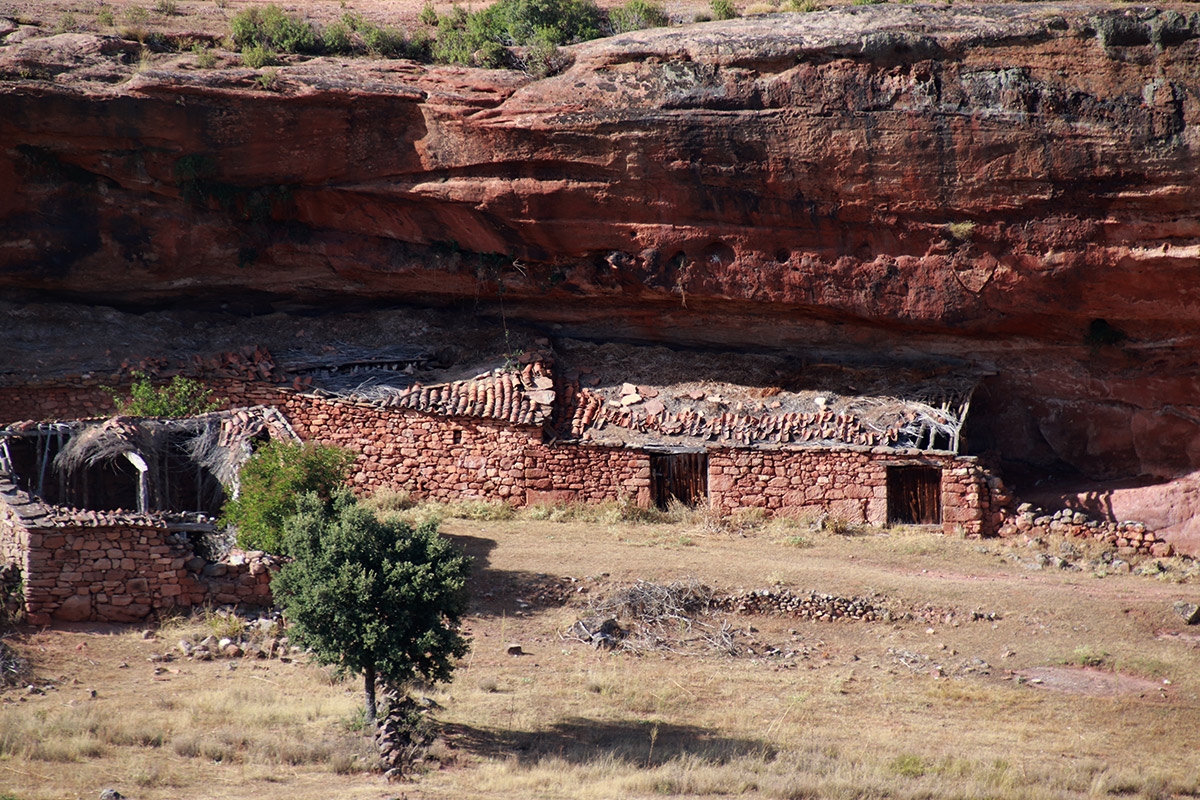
x: 1189, y: 611
x: 919, y: 662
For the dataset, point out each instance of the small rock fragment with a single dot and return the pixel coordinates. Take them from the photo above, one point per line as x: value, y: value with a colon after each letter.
x: 1189, y: 611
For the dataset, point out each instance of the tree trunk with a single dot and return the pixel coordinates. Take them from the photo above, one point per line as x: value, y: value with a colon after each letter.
x: 369, y: 686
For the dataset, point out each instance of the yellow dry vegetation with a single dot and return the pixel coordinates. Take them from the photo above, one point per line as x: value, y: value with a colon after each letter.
x: 898, y: 709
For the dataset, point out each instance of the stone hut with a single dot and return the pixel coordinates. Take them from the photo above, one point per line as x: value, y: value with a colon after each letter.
x: 113, y: 520
x: 104, y: 517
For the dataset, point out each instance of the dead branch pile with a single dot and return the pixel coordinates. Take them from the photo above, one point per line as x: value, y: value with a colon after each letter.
x: 673, y: 617
x: 656, y: 603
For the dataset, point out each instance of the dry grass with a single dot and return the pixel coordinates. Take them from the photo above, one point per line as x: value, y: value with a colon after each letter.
x: 176, y: 728
x: 844, y: 716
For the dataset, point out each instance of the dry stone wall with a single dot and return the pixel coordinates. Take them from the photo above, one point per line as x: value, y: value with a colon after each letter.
x: 115, y: 566
x: 464, y: 457
x: 569, y: 473
x: 444, y: 458
x: 848, y: 484
x: 56, y: 401
x: 1129, y: 537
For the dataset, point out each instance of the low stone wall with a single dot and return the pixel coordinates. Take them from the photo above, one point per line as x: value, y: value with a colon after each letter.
x: 1130, y: 538
x: 847, y: 484
x: 115, y: 567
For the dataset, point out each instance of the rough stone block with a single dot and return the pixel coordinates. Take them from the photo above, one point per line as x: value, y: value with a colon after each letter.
x: 76, y: 608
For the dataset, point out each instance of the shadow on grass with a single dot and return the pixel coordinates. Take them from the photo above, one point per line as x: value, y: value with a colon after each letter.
x: 583, y: 741
x: 507, y: 592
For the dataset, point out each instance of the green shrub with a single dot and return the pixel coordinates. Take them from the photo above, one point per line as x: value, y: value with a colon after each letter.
x: 420, y: 46
x: 451, y: 45
x: 478, y: 39
x: 337, y: 39
x: 66, y: 23
x: 104, y: 16
x: 182, y: 397
x: 256, y: 56
x: 271, y: 481
x: 270, y: 28
x: 269, y: 79
x: 723, y: 9
x: 804, y: 5
x: 168, y: 8
x: 205, y: 58
x: 386, y: 42
x: 428, y: 15
x: 637, y: 15
x: 543, y: 59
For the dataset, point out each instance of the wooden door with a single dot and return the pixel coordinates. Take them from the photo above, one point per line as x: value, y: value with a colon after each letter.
x: 914, y: 495
x: 683, y: 476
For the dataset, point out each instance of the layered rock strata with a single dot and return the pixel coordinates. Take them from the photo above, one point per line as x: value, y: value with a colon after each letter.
x: 1007, y: 187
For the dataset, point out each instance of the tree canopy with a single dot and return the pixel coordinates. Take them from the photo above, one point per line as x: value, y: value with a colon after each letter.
x: 271, y: 482
x: 377, y: 598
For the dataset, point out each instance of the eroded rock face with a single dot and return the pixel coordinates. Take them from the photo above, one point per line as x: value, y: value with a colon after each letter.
x: 1013, y: 188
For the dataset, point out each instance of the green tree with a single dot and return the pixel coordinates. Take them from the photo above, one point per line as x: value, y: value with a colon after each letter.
x: 182, y: 397
x: 270, y: 482
x: 380, y: 599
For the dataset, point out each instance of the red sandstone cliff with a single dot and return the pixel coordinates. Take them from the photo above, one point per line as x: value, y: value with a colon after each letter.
x: 1014, y: 187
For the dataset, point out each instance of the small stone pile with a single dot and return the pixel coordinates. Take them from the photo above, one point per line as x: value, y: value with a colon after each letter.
x: 814, y: 606
x: 259, y: 638
x: 403, y: 731
x: 1130, y: 538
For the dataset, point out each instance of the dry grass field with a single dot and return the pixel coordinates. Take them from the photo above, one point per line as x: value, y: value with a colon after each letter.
x: 993, y: 679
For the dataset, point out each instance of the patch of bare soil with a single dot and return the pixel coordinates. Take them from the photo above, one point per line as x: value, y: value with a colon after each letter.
x: 1092, y: 682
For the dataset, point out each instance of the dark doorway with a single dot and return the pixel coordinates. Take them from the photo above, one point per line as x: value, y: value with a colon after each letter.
x: 914, y: 495
x: 683, y: 476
